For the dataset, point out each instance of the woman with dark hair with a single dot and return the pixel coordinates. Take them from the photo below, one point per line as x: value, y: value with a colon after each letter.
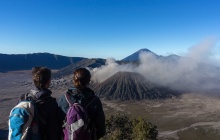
x: 84, y: 96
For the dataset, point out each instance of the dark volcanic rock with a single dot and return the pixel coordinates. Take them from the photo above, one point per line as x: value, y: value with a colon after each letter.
x: 130, y: 86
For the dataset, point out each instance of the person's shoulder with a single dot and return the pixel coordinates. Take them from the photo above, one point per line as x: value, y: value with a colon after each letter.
x: 46, y: 97
x: 89, y: 92
x: 62, y: 98
x: 94, y: 100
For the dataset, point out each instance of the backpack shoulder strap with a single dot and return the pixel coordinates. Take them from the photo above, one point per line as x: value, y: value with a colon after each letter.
x: 67, y: 96
x: 32, y: 99
x: 68, y: 99
x: 90, y: 100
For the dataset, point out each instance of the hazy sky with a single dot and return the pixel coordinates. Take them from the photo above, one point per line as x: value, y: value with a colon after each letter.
x: 107, y: 28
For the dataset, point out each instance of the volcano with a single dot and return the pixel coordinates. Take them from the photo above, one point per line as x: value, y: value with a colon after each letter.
x: 130, y: 86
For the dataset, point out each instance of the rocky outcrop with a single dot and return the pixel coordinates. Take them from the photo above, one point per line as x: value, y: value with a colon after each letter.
x: 68, y: 71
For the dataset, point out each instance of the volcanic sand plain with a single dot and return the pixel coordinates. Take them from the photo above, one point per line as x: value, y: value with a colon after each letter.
x: 191, y: 116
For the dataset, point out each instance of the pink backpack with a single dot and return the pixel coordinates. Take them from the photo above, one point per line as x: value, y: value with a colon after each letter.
x: 76, y: 122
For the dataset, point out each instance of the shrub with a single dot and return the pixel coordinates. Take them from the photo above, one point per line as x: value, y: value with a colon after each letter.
x: 143, y: 130
x: 121, y: 127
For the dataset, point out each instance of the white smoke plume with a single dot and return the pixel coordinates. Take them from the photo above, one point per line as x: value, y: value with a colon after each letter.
x: 109, y: 69
x: 191, y: 72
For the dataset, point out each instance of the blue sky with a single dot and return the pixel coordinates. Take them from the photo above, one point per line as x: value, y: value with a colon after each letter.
x: 107, y: 28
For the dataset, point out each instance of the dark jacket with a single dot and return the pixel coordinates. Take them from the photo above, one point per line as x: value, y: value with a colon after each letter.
x: 48, y: 110
x: 95, y: 110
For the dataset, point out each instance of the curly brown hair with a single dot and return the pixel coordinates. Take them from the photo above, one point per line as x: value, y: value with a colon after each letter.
x: 81, y: 78
x: 41, y: 76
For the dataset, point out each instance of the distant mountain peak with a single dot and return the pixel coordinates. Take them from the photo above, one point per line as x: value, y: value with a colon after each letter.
x: 144, y: 50
x: 135, y: 56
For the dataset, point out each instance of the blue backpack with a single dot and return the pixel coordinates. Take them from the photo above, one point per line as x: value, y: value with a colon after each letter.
x: 77, y: 119
x: 24, y: 120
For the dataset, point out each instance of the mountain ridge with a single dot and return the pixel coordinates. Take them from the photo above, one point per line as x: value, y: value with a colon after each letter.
x: 91, y: 63
x: 10, y: 62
